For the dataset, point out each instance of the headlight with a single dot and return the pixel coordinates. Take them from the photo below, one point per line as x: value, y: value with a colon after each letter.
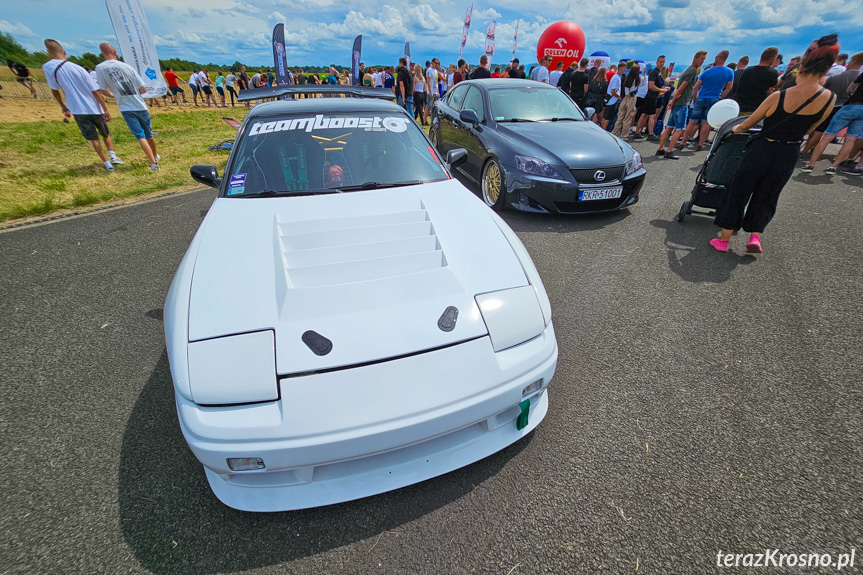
x: 634, y: 164
x: 234, y: 369
x: 512, y: 316
x: 535, y: 166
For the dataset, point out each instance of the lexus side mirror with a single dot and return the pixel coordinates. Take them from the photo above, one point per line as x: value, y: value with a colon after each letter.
x: 455, y: 158
x: 589, y: 112
x: 205, y: 174
x: 468, y: 117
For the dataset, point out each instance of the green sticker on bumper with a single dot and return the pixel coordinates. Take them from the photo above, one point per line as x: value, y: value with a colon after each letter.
x: 521, y: 422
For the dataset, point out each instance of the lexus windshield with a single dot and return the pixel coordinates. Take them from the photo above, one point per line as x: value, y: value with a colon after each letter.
x: 529, y: 104
x: 329, y: 153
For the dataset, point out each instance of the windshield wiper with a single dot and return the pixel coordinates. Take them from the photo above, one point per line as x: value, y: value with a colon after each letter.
x: 561, y: 119
x: 518, y: 120
x: 273, y: 193
x: 377, y: 185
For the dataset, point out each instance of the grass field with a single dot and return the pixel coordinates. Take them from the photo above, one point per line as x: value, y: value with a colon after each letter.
x: 46, y: 165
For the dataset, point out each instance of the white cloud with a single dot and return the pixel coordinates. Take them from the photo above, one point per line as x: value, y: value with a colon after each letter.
x: 16, y: 29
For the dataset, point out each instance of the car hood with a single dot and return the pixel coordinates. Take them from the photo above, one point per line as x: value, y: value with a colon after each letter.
x: 570, y: 144
x: 371, y: 271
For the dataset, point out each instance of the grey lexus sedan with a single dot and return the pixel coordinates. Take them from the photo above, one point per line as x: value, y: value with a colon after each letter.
x: 531, y: 148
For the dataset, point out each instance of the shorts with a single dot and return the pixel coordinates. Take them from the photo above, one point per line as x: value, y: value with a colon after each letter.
x: 206, y: 89
x: 700, y: 108
x: 92, y: 126
x: 24, y: 80
x: 648, y: 108
x: 139, y: 123
x: 175, y: 90
x: 678, y: 117
x: 195, y: 89
x: 431, y: 98
x: 220, y: 90
x: 639, y: 103
x: 850, y: 117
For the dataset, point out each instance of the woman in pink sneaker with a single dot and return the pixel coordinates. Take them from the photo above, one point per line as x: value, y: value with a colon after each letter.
x: 771, y: 157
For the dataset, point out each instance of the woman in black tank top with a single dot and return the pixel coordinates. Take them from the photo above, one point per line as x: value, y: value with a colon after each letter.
x: 771, y: 157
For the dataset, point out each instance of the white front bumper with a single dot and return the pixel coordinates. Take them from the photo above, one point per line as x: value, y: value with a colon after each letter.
x: 338, y: 436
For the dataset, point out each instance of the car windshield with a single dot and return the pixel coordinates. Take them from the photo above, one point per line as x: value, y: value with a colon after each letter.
x: 327, y: 153
x: 531, y: 104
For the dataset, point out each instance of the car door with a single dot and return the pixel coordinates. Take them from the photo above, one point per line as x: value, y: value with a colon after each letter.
x: 447, y: 117
x: 472, y: 136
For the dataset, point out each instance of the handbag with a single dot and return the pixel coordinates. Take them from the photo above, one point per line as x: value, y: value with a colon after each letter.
x: 759, y: 135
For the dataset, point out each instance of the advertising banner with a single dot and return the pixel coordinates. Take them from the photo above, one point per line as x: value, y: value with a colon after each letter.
x: 514, y: 42
x: 135, y: 43
x: 465, y: 30
x: 489, y: 40
x: 408, y: 54
x: 280, y: 60
x: 355, y: 61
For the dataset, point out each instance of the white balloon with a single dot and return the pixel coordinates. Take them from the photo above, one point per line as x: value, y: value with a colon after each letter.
x: 721, y: 112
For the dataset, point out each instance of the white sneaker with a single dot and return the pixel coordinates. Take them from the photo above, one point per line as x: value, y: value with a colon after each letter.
x: 158, y: 157
x: 155, y: 167
x: 116, y: 161
x: 109, y: 167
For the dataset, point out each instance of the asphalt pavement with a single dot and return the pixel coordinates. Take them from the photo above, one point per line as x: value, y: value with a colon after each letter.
x: 703, y: 402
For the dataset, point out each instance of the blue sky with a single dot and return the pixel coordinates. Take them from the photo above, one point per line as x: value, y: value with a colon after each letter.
x: 321, y: 31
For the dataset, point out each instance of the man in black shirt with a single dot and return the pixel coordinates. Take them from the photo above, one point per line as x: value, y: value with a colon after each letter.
x: 482, y: 71
x: 22, y: 75
x: 757, y: 82
x: 566, y: 78
x: 655, y: 90
x: 405, y: 87
x: 578, y: 83
x: 516, y: 72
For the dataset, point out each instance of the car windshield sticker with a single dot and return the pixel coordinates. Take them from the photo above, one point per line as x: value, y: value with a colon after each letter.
x: 498, y: 118
x: 287, y: 173
x: 238, y: 180
x: 233, y: 191
x: 319, y: 122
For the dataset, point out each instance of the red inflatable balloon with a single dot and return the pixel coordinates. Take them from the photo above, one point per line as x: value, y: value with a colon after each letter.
x: 563, y: 41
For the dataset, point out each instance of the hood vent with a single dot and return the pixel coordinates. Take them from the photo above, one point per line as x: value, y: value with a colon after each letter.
x: 346, y: 250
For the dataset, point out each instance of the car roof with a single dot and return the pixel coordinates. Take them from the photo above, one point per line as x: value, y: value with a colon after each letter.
x: 495, y: 83
x: 323, y: 105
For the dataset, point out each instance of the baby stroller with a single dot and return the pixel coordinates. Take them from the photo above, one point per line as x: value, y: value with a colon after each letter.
x: 718, y: 169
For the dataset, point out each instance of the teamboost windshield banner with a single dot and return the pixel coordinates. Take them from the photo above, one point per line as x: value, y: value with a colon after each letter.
x: 355, y: 61
x: 135, y: 42
x: 280, y: 60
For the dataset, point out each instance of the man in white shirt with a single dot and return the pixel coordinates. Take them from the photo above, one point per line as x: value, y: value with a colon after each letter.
x: 554, y: 77
x: 193, y: 84
x: 431, y: 86
x: 839, y: 66
x: 542, y: 71
x: 84, y: 100
x: 127, y: 86
x: 611, y: 106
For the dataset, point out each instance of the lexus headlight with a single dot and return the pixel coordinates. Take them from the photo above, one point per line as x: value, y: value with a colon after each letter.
x: 535, y: 166
x: 634, y: 164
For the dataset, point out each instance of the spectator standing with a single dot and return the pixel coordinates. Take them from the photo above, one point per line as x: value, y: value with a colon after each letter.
x: 554, y: 77
x: 839, y: 66
x: 84, y: 101
x: 174, y: 88
x: 22, y: 75
x: 655, y: 91
x: 271, y: 78
x: 517, y: 70
x: 450, y: 78
x: 333, y: 76
x: 243, y: 81
x: 595, y: 97
x: 626, y: 109
x: 712, y: 85
x: 206, y: 86
x: 220, y: 88
x: 757, y: 82
x: 612, y: 71
x: 231, y: 86
x: 839, y: 84
x: 578, y: 83
x: 458, y: 75
x: 639, y: 99
x: 565, y: 80
x: 751, y: 200
x: 126, y: 84
x: 614, y: 93
x: 789, y: 78
x: 679, y: 106
x: 849, y: 116
x: 540, y: 74
x: 405, y: 86
x: 419, y: 94
x: 482, y: 70
x: 389, y: 79
x: 432, y: 81
x: 742, y: 63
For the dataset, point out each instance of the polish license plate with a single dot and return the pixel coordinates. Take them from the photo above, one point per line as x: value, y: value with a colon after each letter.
x: 600, y: 194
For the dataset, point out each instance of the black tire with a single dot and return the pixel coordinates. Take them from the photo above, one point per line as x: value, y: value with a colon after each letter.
x: 491, y: 187
x: 684, y: 209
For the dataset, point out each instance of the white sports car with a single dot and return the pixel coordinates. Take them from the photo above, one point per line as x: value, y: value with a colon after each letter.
x: 349, y: 319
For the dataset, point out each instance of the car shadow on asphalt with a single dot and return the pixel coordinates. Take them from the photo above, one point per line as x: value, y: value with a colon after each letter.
x: 173, y: 523
x: 690, y: 255
x: 562, y: 223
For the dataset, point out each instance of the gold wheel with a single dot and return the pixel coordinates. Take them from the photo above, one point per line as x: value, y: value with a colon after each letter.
x: 492, y: 184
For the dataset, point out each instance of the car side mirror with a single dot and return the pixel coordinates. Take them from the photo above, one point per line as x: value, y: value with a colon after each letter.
x: 468, y: 117
x: 455, y: 158
x: 206, y: 174
x: 589, y: 112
